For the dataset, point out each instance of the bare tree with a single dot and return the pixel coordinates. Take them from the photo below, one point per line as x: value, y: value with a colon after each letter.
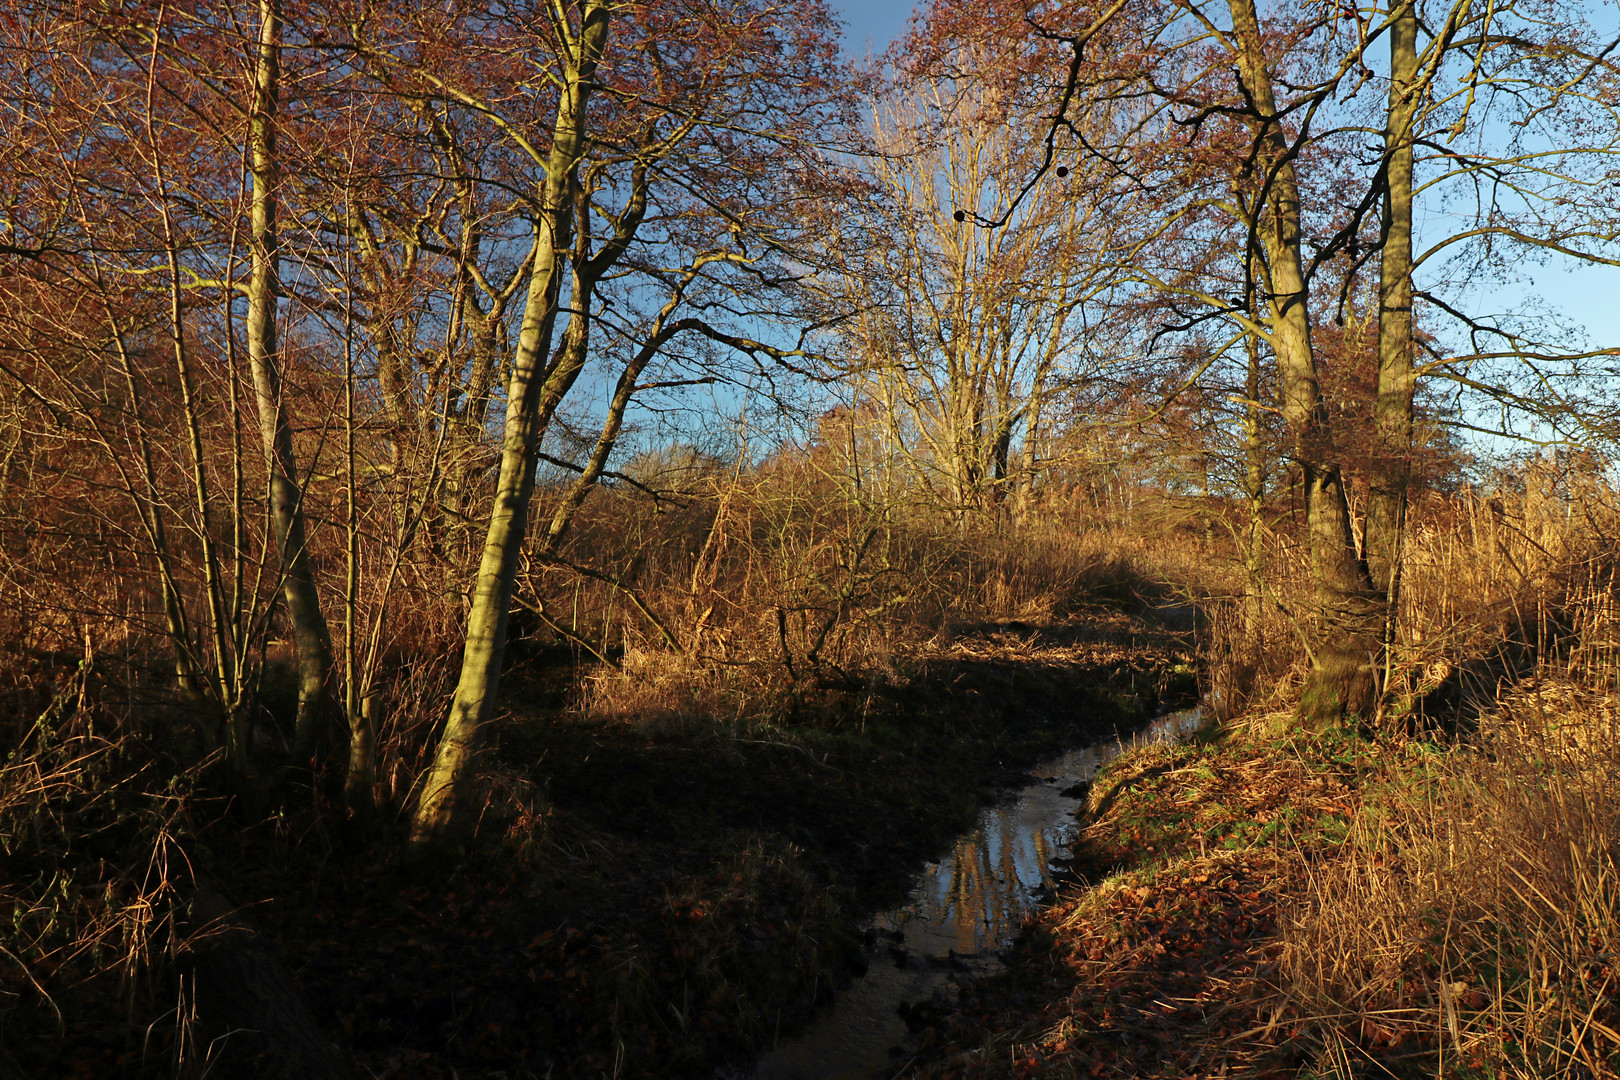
x: 1256, y: 138
x: 961, y: 334
x: 580, y: 41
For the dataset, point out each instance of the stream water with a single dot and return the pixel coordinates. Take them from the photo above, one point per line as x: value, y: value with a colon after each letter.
x: 963, y: 910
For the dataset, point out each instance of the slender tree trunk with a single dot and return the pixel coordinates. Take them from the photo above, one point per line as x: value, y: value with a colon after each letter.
x: 187, y: 668
x: 443, y: 813
x: 1386, y: 506
x: 1254, y: 484
x: 1347, y: 639
x: 359, y: 783
x: 310, y: 636
x: 226, y: 641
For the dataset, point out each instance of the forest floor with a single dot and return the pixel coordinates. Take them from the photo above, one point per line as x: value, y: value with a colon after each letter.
x: 661, y: 896
x: 660, y: 900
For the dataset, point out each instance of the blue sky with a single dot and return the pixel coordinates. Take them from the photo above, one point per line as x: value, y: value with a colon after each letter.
x: 872, y: 23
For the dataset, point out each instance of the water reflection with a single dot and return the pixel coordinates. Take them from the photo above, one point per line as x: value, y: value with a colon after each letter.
x: 963, y: 909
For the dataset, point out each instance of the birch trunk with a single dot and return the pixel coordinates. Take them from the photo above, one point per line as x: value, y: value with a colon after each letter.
x: 1341, y: 680
x: 310, y: 636
x: 443, y: 812
x: 1386, y: 508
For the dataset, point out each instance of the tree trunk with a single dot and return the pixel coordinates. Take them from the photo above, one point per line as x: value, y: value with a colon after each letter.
x: 1024, y: 487
x: 1254, y: 483
x: 484, y: 346
x: 310, y: 636
x: 1386, y: 506
x: 1029, y: 453
x: 359, y: 783
x: 443, y: 813
x: 1346, y: 640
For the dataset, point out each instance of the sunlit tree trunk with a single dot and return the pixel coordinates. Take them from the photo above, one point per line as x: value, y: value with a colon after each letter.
x: 359, y: 784
x: 443, y: 811
x: 1386, y: 508
x: 310, y: 635
x: 1254, y: 485
x: 1029, y: 453
x: 1341, y: 680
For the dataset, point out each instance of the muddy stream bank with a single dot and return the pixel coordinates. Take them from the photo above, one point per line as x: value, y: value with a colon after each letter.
x: 963, y: 910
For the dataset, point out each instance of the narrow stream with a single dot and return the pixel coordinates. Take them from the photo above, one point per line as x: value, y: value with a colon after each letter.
x: 962, y: 912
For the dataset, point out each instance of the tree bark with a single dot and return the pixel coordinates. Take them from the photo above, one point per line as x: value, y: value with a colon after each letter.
x: 1346, y: 640
x: 1254, y: 484
x: 443, y: 813
x: 1392, y: 416
x: 311, y: 638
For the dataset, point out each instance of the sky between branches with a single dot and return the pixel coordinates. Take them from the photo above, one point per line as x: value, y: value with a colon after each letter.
x: 1584, y: 295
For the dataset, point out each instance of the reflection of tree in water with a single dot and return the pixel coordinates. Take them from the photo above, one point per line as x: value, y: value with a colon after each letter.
x: 980, y: 891
x: 966, y: 892
x: 1006, y: 843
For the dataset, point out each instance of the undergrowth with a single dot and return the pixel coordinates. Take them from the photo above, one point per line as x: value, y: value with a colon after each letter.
x: 90, y: 831
x: 1469, y: 926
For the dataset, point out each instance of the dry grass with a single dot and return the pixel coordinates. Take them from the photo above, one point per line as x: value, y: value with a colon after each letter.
x: 754, y: 588
x: 1466, y: 927
x: 1498, y: 581
x: 661, y: 691
x: 1445, y: 884
x: 1333, y: 906
x: 89, y: 837
x: 1472, y: 922
x: 751, y: 583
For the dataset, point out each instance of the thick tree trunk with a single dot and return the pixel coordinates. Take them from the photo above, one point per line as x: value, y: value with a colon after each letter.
x: 1347, y: 638
x: 443, y: 812
x: 484, y: 347
x: 1386, y: 508
x: 310, y: 635
x: 391, y: 344
x: 1000, y: 458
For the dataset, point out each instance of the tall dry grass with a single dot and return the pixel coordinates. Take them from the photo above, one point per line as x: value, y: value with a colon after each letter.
x: 1471, y: 925
x: 1497, y: 580
x: 736, y: 594
x: 90, y: 832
